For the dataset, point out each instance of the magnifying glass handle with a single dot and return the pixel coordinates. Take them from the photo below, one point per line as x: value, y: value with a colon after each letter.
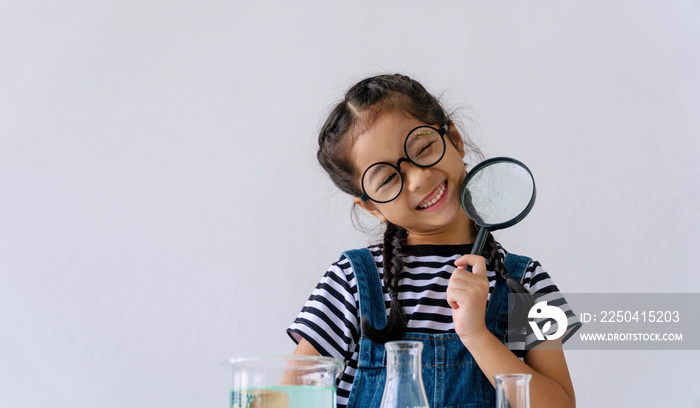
x: 478, y: 245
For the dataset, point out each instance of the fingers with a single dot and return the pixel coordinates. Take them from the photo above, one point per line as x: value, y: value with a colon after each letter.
x: 477, y: 262
x: 453, y: 304
x: 467, y: 293
x: 468, y: 282
x: 466, y: 287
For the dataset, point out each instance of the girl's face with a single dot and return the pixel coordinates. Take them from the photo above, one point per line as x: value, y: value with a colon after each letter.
x: 440, y: 222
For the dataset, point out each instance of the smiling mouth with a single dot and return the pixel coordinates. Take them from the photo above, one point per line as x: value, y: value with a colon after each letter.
x: 437, y: 195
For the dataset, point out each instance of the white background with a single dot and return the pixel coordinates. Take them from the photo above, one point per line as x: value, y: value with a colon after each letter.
x: 161, y: 207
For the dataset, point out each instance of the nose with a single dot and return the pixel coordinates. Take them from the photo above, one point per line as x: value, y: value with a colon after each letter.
x: 415, y: 177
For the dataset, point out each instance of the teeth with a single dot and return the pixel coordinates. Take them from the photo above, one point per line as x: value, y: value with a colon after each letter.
x: 437, y: 197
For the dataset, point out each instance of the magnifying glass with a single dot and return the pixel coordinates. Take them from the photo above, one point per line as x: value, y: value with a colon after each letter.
x: 497, y: 193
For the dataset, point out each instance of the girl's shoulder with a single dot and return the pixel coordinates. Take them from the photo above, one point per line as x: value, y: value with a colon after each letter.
x: 537, y: 280
x: 342, y: 268
x: 375, y: 250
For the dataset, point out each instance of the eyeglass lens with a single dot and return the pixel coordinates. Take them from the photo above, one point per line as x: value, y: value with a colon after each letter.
x: 424, y: 147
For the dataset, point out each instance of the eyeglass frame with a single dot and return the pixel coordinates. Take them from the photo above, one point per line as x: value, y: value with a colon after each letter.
x: 442, y: 131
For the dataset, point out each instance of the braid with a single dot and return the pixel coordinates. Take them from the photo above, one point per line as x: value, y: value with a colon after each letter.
x: 393, y: 265
x: 495, y: 257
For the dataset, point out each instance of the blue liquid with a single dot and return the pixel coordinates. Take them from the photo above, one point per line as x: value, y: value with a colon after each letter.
x: 284, y: 396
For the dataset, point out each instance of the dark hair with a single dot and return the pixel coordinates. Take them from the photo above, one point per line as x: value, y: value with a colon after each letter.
x: 362, y: 104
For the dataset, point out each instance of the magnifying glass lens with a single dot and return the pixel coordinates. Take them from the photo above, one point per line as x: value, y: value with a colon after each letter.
x: 496, y: 194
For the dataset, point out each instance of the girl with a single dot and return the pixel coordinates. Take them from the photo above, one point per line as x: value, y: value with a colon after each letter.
x: 391, y: 146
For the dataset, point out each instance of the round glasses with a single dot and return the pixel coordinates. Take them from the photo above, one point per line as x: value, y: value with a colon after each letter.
x: 424, y: 147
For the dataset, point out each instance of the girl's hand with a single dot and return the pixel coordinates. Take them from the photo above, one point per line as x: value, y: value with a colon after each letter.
x: 466, y: 294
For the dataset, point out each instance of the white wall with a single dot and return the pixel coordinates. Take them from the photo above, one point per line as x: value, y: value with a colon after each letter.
x: 161, y: 207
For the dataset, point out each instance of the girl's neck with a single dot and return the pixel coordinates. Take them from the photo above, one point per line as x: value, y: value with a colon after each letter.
x: 461, y: 232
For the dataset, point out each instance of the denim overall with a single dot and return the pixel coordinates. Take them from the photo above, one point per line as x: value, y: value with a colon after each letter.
x: 451, y: 377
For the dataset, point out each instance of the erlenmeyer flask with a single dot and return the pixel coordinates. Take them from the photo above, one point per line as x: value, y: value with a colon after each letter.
x: 512, y: 390
x: 404, y: 381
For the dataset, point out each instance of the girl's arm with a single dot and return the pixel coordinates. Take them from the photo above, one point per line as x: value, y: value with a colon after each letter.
x: 467, y: 292
x: 304, y: 348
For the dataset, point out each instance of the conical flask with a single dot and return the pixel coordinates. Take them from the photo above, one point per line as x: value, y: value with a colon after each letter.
x: 512, y: 390
x: 404, y: 382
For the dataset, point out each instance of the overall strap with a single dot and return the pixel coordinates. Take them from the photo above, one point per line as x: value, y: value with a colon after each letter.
x: 516, y: 266
x: 369, y: 288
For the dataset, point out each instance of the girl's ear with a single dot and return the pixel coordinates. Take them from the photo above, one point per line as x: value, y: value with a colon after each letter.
x: 455, y: 137
x: 369, y: 207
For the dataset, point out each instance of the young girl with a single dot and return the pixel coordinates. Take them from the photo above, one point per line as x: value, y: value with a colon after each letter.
x: 392, y: 147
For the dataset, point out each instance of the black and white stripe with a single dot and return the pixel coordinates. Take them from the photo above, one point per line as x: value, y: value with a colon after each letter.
x: 329, y: 319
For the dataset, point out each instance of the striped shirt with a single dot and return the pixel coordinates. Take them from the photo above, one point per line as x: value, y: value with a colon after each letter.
x: 330, y: 318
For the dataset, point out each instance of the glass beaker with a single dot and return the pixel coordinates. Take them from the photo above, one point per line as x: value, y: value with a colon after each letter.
x: 512, y: 390
x: 404, y: 380
x: 283, y: 382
